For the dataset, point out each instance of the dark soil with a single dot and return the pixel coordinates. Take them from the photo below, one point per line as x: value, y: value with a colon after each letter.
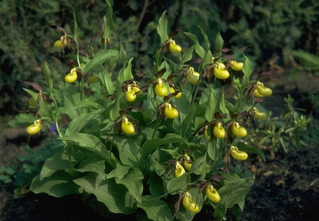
x: 286, y: 187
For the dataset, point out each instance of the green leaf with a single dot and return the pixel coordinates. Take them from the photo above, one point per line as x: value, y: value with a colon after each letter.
x: 155, y: 184
x: 306, y: 58
x: 206, y: 40
x: 155, y: 209
x: 219, y: 42
x: 115, y: 107
x: 46, y: 72
x: 108, y: 21
x: 114, y: 196
x: 88, y: 142
x: 92, y: 163
x: 284, y: 145
x: 247, y: 69
x: 131, y: 178
x: 220, y: 211
x: 105, y: 77
x: 71, y: 96
x: 234, y: 189
x: 198, y: 48
x: 58, y: 184
x: 187, y: 123
x: 151, y: 145
x: 88, y: 103
x: 173, y: 153
x: 59, y: 161
x: 78, y: 123
x: 178, y: 184
x: 76, y: 29
x: 119, y: 172
x: 211, y: 105
x: 122, y: 55
x: 45, y: 108
x: 212, y: 148
x: 206, y: 60
x: 129, y: 152
x: 162, y: 28
x: 252, y: 149
x: 188, y: 54
x: 222, y: 105
x: 191, y: 36
x: 99, y: 58
x: 126, y: 72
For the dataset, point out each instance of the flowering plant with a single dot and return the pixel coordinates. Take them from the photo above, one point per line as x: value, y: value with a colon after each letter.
x: 164, y: 142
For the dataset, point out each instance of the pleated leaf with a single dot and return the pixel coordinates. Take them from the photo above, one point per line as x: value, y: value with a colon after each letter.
x: 58, y: 184
x: 155, y: 209
x: 88, y: 142
x: 114, y: 196
x: 151, y: 145
x: 99, y: 58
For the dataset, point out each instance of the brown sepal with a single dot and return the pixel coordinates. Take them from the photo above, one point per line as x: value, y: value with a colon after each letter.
x: 266, y: 73
x: 171, y: 35
x: 160, y: 73
x: 217, y: 178
x: 35, y: 85
x: 219, y: 115
x: 195, y: 61
x: 243, y: 48
x: 170, y: 78
x: 59, y: 28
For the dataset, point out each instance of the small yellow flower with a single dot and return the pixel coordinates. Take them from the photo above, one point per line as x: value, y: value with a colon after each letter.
x: 238, y: 131
x: 172, y: 90
x: 179, y: 169
x: 170, y: 112
x: 221, y: 73
x: 192, y: 76
x: 71, y: 77
x: 130, y: 94
x: 160, y: 88
x: 236, y: 66
x: 173, y: 47
x: 127, y: 127
x: 238, y: 154
x: 34, y: 128
x: 60, y: 43
x: 259, y: 115
x: 219, y: 131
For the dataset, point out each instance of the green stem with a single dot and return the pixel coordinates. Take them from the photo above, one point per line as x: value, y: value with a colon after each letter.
x: 56, y: 119
x: 156, y: 198
x: 77, y: 53
x: 157, y: 123
x: 195, y: 94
